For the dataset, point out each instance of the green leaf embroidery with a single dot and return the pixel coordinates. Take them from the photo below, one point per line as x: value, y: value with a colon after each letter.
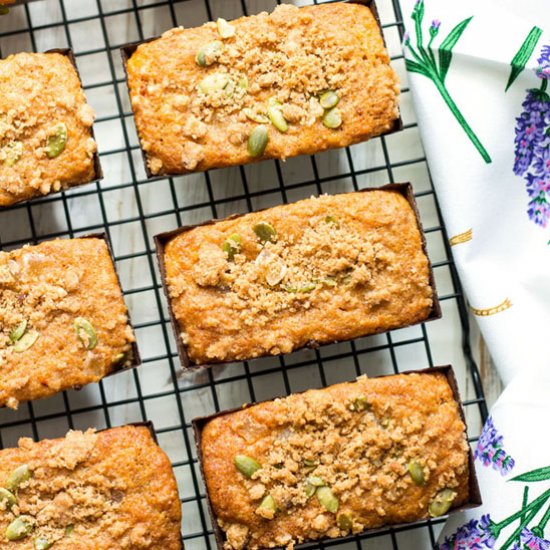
x: 540, y: 474
x: 446, y: 47
x: 523, y: 54
x: 415, y: 67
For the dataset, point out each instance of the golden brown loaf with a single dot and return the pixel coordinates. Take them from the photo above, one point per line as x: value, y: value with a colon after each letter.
x: 330, y: 462
x: 107, y: 490
x: 46, y: 139
x: 333, y: 268
x: 309, y: 79
x: 63, y: 321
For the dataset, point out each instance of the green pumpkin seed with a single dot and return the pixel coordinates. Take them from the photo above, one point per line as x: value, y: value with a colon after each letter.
x: 361, y: 404
x: 332, y: 118
x: 26, y: 341
x: 346, y: 279
x: 85, y: 332
x: 332, y: 219
x: 69, y: 530
x: 243, y: 83
x: 232, y: 246
x: 56, y: 143
x: 19, y: 528
x: 417, y: 473
x: 42, y: 544
x: 265, y: 232
x: 246, y: 465
x: 209, y: 53
x: 225, y: 29
x: 441, y: 503
x: 14, y: 152
x: 257, y: 141
x: 7, y: 496
x: 17, y: 477
x: 308, y: 287
x: 310, y: 489
x: 214, y: 82
x: 329, y: 99
x: 329, y: 281
x: 275, y: 114
x: 315, y: 481
x: 309, y: 464
x: 18, y: 331
x: 256, y: 117
x: 4, y: 10
x: 269, y: 503
x: 345, y: 522
x: 327, y: 499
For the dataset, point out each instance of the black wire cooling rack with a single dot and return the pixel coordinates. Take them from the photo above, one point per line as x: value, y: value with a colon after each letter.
x: 131, y: 209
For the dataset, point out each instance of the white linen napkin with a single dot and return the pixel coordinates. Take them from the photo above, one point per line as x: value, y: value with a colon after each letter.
x: 480, y: 78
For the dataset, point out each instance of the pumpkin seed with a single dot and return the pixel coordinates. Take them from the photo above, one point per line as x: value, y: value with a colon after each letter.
x: 332, y: 219
x: 361, y: 403
x: 69, y: 530
x: 209, y: 53
x: 275, y: 114
x: 225, y: 29
x: 329, y: 99
x: 308, y: 287
x: 256, y: 117
x: 214, y: 82
x: 17, y: 477
x: 329, y: 281
x: 417, y: 473
x: 13, y: 152
x: 265, y: 232
x: 310, y: 464
x: 315, y: 481
x: 42, y: 544
x: 246, y: 465
x: 257, y: 141
x: 18, y: 331
x: 7, y: 496
x: 56, y: 143
x: 332, y: 118
x: 345, y: 522
x: 441, y: 503
x: 26, y: 341
x: 327, y: 499
x: 19, y: 528
x: 310, y: 489
x: 269, y: 503
x: 243, y: 83
x: 232, y: 246
x: 4, y: 10
x: 85, y: 332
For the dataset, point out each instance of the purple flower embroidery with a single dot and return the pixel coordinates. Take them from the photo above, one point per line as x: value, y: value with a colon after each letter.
x: 474, y: 535
x: 532, y: 542
x: 434, y: 27
x: 490, y: 452
x: 532, y: 145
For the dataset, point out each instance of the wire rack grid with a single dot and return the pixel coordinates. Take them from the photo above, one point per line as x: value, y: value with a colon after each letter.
x: 131, y: 209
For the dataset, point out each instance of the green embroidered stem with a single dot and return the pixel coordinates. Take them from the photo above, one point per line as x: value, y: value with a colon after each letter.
x: 522, y: 56
x: 461, y: 120
x: 539, y: 529
x: 525, y: 499
x: 544, y: 85
x: 515, y: 535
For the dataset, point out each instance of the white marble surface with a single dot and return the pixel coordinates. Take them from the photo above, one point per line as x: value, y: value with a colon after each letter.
x: 132, y: 210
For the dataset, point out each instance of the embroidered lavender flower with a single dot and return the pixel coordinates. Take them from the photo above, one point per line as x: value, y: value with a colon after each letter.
x: 529, y: 540
x: 406, y: 38
x: 434, y: 27
x: 474, y: 535
x: 490, y: 452
x: 543, y: 70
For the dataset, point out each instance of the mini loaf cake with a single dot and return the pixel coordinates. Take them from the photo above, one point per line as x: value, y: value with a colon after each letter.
x: 46, y: 141
x: 104, y: 490
x: 293, y: 82
x: 336, y: 461
x: 63, y: 321
x: 320, y: 270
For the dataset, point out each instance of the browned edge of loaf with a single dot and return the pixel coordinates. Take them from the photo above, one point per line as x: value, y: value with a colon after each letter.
x: 136, y: 357
x: 162, y: 239
x: 98, y: 170
x: 127, y: 50
x: 473, y: 486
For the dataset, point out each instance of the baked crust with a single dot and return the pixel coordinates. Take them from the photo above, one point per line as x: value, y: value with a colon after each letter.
x: 40, y: 91
x: 358, y: 438
x: 363, y: 271
x: 115, y: 488
x: 52, y: 286
x: 293, y: 55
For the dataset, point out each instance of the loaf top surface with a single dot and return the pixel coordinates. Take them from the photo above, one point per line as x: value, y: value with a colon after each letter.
x: 63, y: 321
x: 104, y: 490
x: 41, y: 99
x: 192, y: 117
x: 355, y: 260
x: 358, y: 440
